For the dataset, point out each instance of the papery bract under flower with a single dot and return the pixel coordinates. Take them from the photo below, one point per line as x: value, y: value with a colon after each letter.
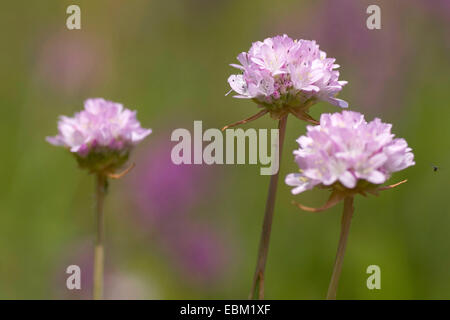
x: 346, y: 151
x: 281, y: 72
x: 101, y: 136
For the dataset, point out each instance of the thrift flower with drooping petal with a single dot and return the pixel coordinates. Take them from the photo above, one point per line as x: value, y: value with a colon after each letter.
x: 101, y: 136
x: 350, y: 156
x: 287, y: 76
x: 347, y: 152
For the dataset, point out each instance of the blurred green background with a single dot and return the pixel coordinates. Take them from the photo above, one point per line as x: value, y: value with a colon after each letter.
x: 192, y: 232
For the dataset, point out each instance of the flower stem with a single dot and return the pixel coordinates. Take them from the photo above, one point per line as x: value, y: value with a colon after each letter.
x: 345, y: 228
x: 101, y: 184
x: 258, y: 279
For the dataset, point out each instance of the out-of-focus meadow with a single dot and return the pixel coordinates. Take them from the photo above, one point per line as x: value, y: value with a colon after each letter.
x: 176, y: 232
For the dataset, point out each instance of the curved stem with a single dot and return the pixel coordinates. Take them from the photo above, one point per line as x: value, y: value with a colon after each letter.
x: 345, y: 228
x: 98, y: 254
x: 252, y: 118
x: 258, y: 279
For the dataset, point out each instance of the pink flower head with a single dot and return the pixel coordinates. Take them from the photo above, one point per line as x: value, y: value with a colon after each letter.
x: 282, y: 72
x: 103, y: 132
x: 347, y: 152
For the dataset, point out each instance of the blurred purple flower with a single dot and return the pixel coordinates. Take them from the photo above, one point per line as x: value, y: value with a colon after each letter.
x: 71, y: 61
x: 166, y: 195
x: 164, y: 191
x: 198, y: 252
x: 440, y: 8
x: 378, y: 58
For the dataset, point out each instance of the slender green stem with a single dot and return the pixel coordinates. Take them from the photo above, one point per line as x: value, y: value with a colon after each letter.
x: 258, y: 279
x: 345, y: 228
x: 99, y: 254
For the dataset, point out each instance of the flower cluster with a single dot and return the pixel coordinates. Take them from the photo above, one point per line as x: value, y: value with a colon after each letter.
x: 346, y: 151
x: 281, y: 72
x: 101, y: 136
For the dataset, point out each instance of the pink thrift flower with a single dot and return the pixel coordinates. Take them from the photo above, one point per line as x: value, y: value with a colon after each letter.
x: 280, y: 72
x: 101, y: 136
x: 347, y: 152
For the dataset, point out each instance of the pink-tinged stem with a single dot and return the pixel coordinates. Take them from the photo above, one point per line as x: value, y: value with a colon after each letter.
x: 345, y: 228
x: 258, y: 279
x: 99, y: 254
